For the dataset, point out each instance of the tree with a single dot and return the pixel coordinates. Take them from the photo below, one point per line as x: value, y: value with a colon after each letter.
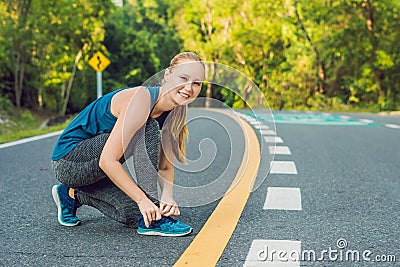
x: 308, y: 54
x: 18, y: 28
x: 141, y: 42
x: 78, y: 29
x: 204, y: 27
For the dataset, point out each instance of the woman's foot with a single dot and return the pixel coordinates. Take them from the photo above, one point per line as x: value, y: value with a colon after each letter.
x: 66, y: 206
x: 167, y: 226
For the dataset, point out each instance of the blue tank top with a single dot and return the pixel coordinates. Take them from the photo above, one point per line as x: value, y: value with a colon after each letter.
x: 93, y: 120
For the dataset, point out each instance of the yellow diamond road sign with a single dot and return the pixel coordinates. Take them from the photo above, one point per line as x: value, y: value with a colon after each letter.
x: 99, y: 62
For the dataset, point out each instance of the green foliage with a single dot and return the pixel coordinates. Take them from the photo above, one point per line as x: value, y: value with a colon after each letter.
x: 307, y: 54
x: 27, y: 116
x: 140, y: 42
x: 5, y: 104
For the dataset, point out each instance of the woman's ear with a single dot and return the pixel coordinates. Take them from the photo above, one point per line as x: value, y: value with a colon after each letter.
x: 167, y: 73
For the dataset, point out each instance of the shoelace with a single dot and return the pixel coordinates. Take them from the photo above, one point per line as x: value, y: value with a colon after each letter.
x: 170, y: 220
x: 165, y: 220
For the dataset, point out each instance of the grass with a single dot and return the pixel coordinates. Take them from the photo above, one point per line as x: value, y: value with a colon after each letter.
x: 23, y: 123
x: 20, y: 134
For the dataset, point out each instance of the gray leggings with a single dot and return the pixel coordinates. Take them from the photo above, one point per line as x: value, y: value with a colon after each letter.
x: 80, y: 170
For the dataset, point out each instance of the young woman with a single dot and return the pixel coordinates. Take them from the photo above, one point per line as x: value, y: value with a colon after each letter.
x: 88, y: 156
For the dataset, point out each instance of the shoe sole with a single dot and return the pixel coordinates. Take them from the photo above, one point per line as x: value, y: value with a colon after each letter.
x: 156, y: 233
x: 59, y: 211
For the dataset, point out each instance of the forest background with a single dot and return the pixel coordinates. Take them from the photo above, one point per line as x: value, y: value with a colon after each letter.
x: 321, y: 55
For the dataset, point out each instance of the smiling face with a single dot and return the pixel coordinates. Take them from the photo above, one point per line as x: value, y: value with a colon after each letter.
x: 184, y: 82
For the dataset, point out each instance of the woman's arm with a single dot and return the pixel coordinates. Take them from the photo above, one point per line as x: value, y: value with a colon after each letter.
x: 168, y: 205
x: 133, y: 115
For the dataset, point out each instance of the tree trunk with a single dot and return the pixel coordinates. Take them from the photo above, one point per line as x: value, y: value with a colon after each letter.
x: 68, y: 88
x: 394, y: 99
x: 320, y: 71
x: 19, y: 74
x: 21, y: 78
x: 17, y: 89
x: 18, y: 49
x: 209, y: 85
x: 369, y: 17
x: 207, y: 28
x: 247, y: 90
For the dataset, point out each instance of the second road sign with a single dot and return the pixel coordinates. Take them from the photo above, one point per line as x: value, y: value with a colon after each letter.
x: 99, y: 62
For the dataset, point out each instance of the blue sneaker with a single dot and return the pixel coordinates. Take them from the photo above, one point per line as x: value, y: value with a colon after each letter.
x: 167, y: 226
x: 66, y: 206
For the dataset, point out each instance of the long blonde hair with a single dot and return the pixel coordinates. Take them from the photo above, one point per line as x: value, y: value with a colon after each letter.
x: 176, y: 125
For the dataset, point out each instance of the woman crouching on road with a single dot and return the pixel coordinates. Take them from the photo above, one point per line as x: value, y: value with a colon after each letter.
x: 88, y: 156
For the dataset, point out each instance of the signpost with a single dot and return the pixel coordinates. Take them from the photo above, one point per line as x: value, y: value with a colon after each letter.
x: 99, y: 63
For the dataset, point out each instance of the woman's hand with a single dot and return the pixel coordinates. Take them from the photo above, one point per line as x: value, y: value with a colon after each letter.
x: 168, y: 206
x: 149, y: 211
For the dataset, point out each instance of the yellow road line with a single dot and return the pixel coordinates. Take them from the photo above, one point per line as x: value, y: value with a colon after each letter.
x: 208, y: 245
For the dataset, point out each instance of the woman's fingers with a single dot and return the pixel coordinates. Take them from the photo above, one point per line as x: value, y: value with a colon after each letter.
x: 149, y: 211
x: 146, y: 220
x: 173, y: 210
x: 165, y: 208
x: 151, y: 215
x: 158, y: 215
x: 170, y: 212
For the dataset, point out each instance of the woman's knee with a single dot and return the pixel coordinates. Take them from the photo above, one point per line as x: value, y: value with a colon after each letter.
x: 75, y: 174
x: 61, y: 171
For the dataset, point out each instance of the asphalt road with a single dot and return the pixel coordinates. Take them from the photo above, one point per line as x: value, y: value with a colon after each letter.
x: 31, y: 236
x: 348, y: 175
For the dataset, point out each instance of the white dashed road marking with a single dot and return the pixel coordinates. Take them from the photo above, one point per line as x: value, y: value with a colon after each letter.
x: 265, y: 253
x: 279, y: 150
x: 393, y: 126
x: 273, y: 139
x: 283, y: 167
x: 267, y: 132
x: 366, y: 121
x: 262, y: 127
x: 277, y: 198
x: 283, y: 198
